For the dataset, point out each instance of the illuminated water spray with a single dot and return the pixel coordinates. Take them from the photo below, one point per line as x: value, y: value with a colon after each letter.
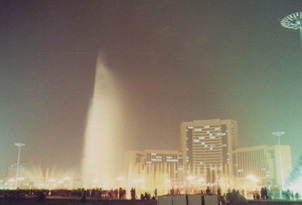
x: 102, y: 155
x: 293, y: 21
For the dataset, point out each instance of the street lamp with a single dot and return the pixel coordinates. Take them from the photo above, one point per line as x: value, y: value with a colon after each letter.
x: 19, y: 145
x: 294, y: 22
x: 279, y: 134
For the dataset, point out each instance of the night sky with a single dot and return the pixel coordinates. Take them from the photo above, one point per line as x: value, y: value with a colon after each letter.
x: 174, y: 61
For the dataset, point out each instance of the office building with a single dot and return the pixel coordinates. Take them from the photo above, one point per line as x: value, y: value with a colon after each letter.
x: 207, y: 147
x: 151, y: 169
x: 261, y: 165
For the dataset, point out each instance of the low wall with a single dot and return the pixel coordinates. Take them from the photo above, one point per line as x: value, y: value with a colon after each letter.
x: 196, y: 199
x: 274, y: 202
x: 75, y: 201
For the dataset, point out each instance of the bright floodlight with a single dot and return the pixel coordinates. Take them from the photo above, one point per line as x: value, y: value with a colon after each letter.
x: 293, y: 21
x: 278, y: 134
x: 19, y: 144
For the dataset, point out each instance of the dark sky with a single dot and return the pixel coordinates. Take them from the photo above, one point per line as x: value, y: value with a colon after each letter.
x: 175, y: 61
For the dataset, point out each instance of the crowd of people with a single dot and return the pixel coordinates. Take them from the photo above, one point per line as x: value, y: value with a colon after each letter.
x: 98, y: 194
x: 83, y: 194
x: 233, y: 197
x: 262, y: 195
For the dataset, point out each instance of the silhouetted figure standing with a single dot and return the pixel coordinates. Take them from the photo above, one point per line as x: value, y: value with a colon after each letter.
x: 83, y: 196
x: 262, y: 193
x: 172, y: 191
x: 132, y: 192
x: 147, y: 196
x: 120, y: 193
x: 208, y: 190
x: 265, y: 193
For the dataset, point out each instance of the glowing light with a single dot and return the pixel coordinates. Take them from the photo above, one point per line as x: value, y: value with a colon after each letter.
x: 52, y: 180
x: 190, y: 178
x: 201, y: 179
x: 252, y: 178
x: 11, y: 179
x: 120, y: 178
x: 67, y: 178
x: 20, y: 178
x: 139, y: 180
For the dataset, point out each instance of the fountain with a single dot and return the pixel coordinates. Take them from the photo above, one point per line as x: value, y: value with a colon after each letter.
x: 34, y: 177
x: 102, y: 151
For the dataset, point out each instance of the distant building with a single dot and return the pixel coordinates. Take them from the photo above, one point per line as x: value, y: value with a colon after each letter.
x: 12, y: 170
x: 154, y: 168
x: 207, y: 147
x: 261, y: 164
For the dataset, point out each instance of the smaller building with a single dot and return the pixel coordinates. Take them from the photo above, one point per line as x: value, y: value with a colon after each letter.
x: 154, y: 169
x: 12, y: 170
x: 261, y: 165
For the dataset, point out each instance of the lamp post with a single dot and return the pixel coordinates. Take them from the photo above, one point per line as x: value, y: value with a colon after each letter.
x: 279, y: 134
x: 19, y: 145
x: 294, y: 22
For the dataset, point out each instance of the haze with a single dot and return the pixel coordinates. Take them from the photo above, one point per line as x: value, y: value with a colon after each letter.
x: 173, y: 61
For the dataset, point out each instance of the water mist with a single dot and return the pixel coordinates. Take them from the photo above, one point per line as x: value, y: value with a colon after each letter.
x: 101, y: 159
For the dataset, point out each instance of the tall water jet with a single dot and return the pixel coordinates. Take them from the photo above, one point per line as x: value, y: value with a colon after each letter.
x: 102, y: 144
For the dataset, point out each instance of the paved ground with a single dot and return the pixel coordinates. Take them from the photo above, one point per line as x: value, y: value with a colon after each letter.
x: 70, y: 201
x: 275, y: 202
x: 75, y: 200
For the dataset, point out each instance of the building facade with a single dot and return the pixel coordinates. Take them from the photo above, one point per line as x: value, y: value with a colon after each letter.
x: 12, y: 170
x: 207, y: 147
x: 261, y: 165
x: 150, y: 169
